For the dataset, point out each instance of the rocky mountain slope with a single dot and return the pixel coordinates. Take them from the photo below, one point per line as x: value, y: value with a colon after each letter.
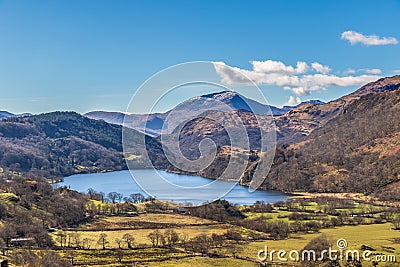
x: 63, y: 143
x: 347, y: 145
x: 357, y: 151
x: 301, y: 121
x: 222, y: 101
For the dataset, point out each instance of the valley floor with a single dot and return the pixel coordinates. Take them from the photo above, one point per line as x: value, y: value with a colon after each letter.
x: 102, y: 242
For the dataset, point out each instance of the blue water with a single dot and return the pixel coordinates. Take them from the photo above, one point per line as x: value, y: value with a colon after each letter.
x: 189, y: 189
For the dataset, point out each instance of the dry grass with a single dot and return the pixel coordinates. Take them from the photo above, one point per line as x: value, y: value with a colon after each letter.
x: 140, y: 235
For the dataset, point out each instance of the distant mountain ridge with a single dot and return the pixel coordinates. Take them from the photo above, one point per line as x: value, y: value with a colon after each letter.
x: 221, y: 101
x: 5, y: 114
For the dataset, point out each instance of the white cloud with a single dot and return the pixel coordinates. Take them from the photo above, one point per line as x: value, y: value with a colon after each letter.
x: 350, y: 71
x: 293, y: 101
x: 355, y: 37
x: 397, y: 71
x: 302, y: 91
x: 365, y: 71
x: 320, y: 68
x: 272, y: 66
x: 373, y: 71
x: 299, y: 83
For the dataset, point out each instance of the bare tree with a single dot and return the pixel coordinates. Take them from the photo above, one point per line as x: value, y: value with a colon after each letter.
x: 218, y: 240
x: 120, y: 255
x: 102, y: 240
x: 86, y: 243
x: 91, y: 192
x: 201, y: 243
x: 112, y: 196
x: 137, y: 197
x: 70, y: 255
x: 171, y: 237
x: 119, y: 197
x: 185, y: 239
x: 155, y: 237
x: 61, y: 237
x: 152, y: 238
x: 234, y: 249
x: 51, y: 259
x: 119, y: 242
x: 129, y: 240
x: 76, y: 238
x: 102, y: 194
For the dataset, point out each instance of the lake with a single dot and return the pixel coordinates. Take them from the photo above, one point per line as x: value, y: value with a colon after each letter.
x: 193, y: 189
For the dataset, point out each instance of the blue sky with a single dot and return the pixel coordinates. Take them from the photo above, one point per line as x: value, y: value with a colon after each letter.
x: 92, y: 55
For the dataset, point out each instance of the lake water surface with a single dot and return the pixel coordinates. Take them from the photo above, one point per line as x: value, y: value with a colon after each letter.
x: 123, y: 183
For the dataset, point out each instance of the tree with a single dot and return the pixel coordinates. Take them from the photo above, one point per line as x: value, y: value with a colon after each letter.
x: 102, y: 194
x: 119, y: 242
x: 76, y: 237
x: 86, y: 243
x: 91, y: 192
x: 70, y: 255
x: 396, y: 223
x: 155, y: 237
x: 43, y: 239
x: 119, y: 253
x: 26, y: 258
x: 317, y: 245
x: 129, y: 240
x: 201, y: 244
x: 279, y: 229
x: 51, y: 259
x: 235, y: 249
x: 3, y: 247
x: 185, y: 239
x: 233, y: 235
x: 112, y: 196
x: 218, y: 240
x: 7, y: 232
x: 119, y: 196
x: 102, y: 240
x: 152, y: 238
x: 137, y: 197
x: 171, y: 237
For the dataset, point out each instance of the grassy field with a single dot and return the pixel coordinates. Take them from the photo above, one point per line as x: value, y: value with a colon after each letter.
x: 371, y: 232
x: 164, y: 218
x: 184, y: 225
x: 152, y: 258
x: 203, y: 262
x: 140, y: 235
x: 377, y: 236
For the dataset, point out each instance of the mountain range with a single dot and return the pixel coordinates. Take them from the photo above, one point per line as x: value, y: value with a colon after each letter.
x: 220, y: 101
x: 6, y: 114
x: 351, y: 144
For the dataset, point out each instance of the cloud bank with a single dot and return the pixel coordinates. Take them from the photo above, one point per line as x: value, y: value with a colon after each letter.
x: 301, y: 79
x: 355, y: 37
x: 293, y: 101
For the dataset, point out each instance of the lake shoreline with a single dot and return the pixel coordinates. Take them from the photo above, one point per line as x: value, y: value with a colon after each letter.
x: 122, y: 181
